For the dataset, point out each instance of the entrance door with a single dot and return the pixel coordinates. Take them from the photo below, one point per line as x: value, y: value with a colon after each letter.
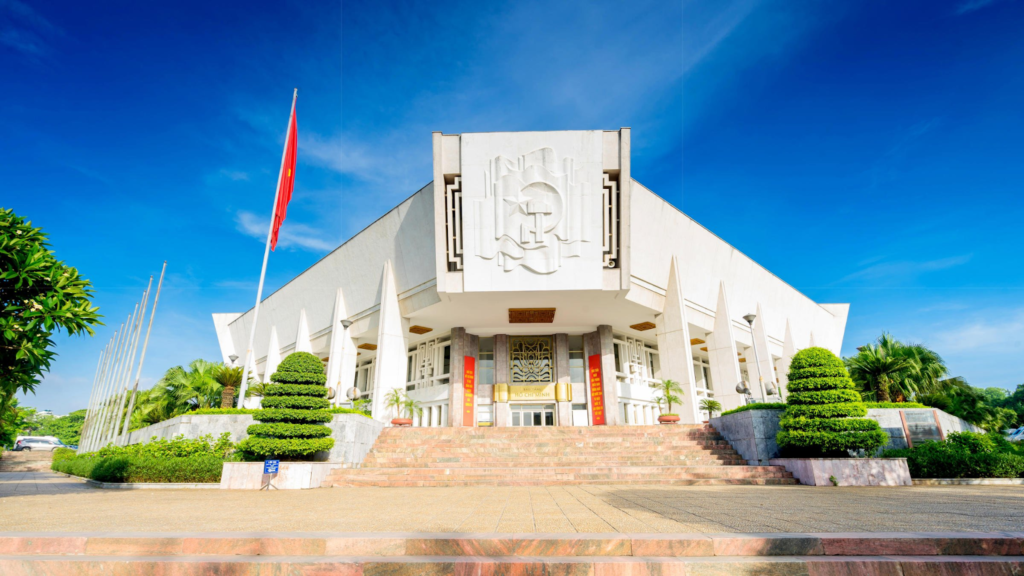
x: 533, y: 414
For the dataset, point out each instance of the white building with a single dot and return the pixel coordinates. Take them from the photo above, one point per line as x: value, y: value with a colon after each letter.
x: 534, y: 282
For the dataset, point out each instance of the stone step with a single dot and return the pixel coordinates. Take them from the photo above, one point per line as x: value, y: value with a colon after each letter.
x: 491, y: 463
x: 520, y: 566
x: 619, y: 545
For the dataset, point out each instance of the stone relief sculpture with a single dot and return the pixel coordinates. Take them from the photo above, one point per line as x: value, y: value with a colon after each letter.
x: 538, y: 210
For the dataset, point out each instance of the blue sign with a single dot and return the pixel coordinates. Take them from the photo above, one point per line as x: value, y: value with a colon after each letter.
x: 271, y: 466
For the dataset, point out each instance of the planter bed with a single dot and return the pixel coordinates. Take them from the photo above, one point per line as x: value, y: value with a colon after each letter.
x: 847, y: 471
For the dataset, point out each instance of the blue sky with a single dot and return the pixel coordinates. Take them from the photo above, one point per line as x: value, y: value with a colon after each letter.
x: 865, y: 152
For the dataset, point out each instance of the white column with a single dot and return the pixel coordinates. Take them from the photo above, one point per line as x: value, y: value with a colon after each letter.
x: 674, y: 350
x: 302, y: 341
x: 789, y: 350
x: 341, y: 363
x: 273, y: 355
x: 764, y: 355
x: 392, y: 349
x: 723, y: 356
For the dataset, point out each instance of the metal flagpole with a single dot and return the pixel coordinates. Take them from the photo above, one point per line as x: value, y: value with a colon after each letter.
x: 111, y: 361
x: 114, y: 377
x: 92, y: 393
x: 90, y: 423
x: 142, y: 358
x: 249, y: 359
x: 122, y: 389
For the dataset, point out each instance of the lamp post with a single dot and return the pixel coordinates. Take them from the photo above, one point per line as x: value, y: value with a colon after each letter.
x: 764, y: 393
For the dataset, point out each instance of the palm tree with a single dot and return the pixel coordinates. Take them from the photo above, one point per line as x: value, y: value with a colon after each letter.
x: 229, y: 378
x: 671, y: 393
x: 710, y: 405
x: 394, y: 400
x: 411, y: 408
x: 194, y: 388
x: 892, y: 369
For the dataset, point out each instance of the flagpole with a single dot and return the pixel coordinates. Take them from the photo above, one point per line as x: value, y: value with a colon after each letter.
x: 249, y: 359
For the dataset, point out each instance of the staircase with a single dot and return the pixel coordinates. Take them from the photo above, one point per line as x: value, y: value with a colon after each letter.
x: 546, y: 456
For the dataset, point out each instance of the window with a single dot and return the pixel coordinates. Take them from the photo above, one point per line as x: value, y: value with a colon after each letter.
x: 485, y: 365
x: 577, y: 366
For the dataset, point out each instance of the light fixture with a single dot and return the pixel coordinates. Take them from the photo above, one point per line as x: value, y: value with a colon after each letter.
x: 742, y: 388
x: 346, y: 323
x: 353, y: 393
x: 233, y: 358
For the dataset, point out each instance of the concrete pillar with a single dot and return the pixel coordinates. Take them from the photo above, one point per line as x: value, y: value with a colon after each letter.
x: 600, y: 342
x: 674, y: 350
x: 764, y: 355
x: 723, y: 356
x: 273, y: 355
x: 392, y: 348
x: 563, y: 383
x: 789, y: 350
x: 341, y: 362
x: 502, y: 411
x: 457, y: 373
x: 302, y: 341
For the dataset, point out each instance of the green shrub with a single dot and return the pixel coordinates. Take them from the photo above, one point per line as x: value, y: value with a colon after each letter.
x: 293, y: 406
x: 63, y: 454
x: 179, y: 447
x: 963, y: 455
x: 903, y: 405
x: 342, y: 410
x: 125, y: 468
x: 757, y: 406
x: 822, y: 410
x: 224, y: 411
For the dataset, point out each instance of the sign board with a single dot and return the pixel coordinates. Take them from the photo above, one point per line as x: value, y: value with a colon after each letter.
x: 596, y: 391
x: 469, y: 388
x: 533, y: 392
x: 271, y: 466
x: 921, y: 426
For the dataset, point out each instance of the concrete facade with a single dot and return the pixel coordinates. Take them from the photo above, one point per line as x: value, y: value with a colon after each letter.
x: 536, y: 235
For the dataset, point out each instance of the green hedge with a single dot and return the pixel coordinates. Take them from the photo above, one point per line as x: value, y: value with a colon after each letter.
x: 902, y: 405
x: 286, y: 447
x: 224, y: 411
x: 342, y: 410
x: 822, y: 410
x: 199, y: 468
x: 296, y: 416
x: 757, y: 406
x: 295, y: 390
x: 299, y: 378
x: 286, y: 430
x: 964, y: 455
x: 294, y: 405
x: 306, y: 402
x: 823, y: 397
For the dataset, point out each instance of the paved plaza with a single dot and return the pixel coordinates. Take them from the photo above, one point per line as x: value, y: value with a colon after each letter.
x: 47, y: 502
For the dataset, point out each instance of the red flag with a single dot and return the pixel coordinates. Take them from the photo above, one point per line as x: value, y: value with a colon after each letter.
x: 287, y: 178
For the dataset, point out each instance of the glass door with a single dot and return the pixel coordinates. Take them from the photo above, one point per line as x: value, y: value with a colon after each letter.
x: 533, y: 414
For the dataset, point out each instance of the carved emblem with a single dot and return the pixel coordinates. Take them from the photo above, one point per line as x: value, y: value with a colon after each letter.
x: 538, y: 210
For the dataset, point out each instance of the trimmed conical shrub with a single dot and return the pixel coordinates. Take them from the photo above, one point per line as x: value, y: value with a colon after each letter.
x: 291, y: 423
x: 824, y: 412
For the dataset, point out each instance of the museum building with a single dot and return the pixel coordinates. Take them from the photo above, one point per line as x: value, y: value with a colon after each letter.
x: 535, y: 283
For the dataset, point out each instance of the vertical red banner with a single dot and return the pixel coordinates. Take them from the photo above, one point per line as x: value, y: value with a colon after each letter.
x: 468, y: 390
x: 596, y: 391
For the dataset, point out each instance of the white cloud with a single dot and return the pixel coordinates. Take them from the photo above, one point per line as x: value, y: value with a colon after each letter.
x: 993, y: 332
x: 24, y: 30
x: 290, y: 234
x: 972, y: 6
x: 904, y: 270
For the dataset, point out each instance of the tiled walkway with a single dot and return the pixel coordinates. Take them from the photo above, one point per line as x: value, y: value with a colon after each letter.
x: 40, y: 502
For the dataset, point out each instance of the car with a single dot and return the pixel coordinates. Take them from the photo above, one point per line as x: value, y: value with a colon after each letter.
x: 30, y: 443
x: 1016, y: 435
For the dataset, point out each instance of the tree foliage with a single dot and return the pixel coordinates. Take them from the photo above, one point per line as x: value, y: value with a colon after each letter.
x: 295, y: 408
x: 892, y: 370
x: 39, y: 295
x: 823, y: 410
x: 670, y: 392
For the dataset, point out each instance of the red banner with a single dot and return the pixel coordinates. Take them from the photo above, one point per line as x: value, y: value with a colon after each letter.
x: 596, y: 391
x: 468, y: 389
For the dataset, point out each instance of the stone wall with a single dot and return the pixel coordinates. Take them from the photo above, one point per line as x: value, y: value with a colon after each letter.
x: 353, y: 434
x: 752, y: 433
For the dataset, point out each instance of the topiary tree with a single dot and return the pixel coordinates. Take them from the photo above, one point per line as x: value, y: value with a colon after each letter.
x: 294, y: 412
x: 823, y: 410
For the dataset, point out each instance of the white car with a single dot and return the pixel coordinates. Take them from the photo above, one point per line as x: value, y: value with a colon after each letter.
x: 30, y: 443
x: 1016, y: 435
